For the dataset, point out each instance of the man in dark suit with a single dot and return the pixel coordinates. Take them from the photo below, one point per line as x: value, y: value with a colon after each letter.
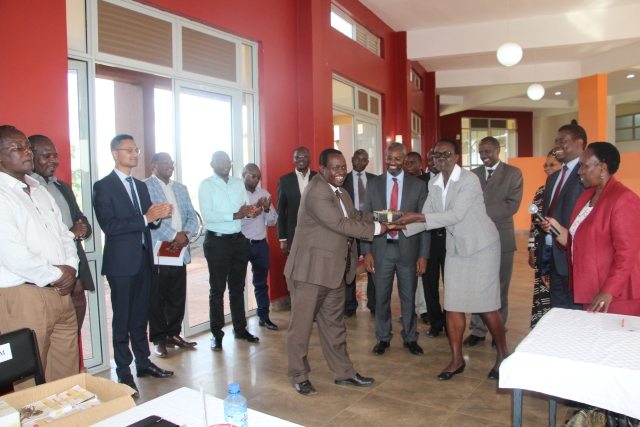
x: 356, y: 185
x: 502, y: 187
x: 45, y: 161
x: 290, y: 188
x: 561, y: 192
x: 322, y: 260
x: 119, y: 200
x: 393, y: 253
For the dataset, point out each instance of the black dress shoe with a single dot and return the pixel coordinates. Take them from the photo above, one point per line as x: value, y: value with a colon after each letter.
x: 349, y: 313
x: 373, y: 312
x: 380, y: 347
x: 414, y: 348
x: 154, y: 371
x: 216, y: 344
x: 433, y: 332
x: 305, y: 388
x: 245, y: 335
x: 356, y: 380
x: 425, y: 318
x: 472, y: 340
x: 493, y: 375
x: 161, y: 350
x: 446, y: 376
x: 268, y: 324
x: 128, y: 380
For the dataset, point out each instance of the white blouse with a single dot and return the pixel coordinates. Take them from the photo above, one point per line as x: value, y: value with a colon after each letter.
x: 586, y: 210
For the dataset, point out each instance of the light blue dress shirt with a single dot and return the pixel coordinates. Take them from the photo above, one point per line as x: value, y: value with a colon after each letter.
x: 400, y: 179
x: 219, y: 201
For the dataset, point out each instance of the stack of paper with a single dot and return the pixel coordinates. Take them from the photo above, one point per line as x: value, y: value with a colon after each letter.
x: 57, y: 406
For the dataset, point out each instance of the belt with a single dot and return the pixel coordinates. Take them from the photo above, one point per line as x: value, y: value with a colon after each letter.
x: 226, y: 236
x: 440, y: 232
x: 255, y: 242
x: 45, y: 286
x: 393, y: 241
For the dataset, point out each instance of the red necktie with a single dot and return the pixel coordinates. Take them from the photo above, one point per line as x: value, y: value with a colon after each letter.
x: 556, y: 193
x: 393, y: 203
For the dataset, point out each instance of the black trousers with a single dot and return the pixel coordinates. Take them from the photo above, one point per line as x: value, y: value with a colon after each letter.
x: 431, y: 278
x: 227, y: 261
x: 168, y: 297
x: 130, y: 304
x: 561, y: 296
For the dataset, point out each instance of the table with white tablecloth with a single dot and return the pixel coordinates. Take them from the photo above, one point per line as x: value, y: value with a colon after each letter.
x: 593, y: 358
x: 184, y: 407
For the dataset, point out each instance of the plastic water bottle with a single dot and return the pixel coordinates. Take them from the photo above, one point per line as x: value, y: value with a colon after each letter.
x: 235, y: 407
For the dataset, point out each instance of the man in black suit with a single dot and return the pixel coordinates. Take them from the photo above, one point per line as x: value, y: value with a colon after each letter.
x: 356, y: 185
x: 394, y: 254
x: 119, y: 200
x: 561, y: 193
x: 290, y: 188
x: 45, y: 161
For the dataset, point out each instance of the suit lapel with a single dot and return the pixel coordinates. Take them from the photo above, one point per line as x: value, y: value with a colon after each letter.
x: 119, y: 187
x: 496, y: 177
x: 483, y: 178
x: 571, y: 179
x: 454, y: 187
x: 406, y: 193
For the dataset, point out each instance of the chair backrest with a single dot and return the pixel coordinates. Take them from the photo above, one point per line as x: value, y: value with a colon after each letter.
x: 19, y: 357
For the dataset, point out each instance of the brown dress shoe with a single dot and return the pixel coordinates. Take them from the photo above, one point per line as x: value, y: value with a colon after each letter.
x: 180, y: 342
x: 161, y: 350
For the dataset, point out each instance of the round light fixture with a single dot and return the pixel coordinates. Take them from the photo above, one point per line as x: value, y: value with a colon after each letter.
x: 535, y: 91
x: 630, y: 76
x: 509, y: 54
x: 558, y: 93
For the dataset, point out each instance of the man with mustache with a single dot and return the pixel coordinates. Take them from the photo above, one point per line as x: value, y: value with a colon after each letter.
x: 502, y: 186
x: 38, y: 262
x: 45, y: 159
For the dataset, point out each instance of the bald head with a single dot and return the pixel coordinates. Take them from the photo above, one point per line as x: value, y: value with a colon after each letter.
x: 252, y: 176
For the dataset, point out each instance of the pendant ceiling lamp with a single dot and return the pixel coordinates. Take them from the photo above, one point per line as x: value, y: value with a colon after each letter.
x: 536, y: 90
x: 510, y: 53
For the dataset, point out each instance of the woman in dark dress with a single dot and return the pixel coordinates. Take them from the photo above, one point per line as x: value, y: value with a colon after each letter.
x: 541, y: 298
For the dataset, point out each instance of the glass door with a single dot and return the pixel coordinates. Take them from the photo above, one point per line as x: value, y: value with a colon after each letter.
x: 208, y: 119
x: 92, y: 337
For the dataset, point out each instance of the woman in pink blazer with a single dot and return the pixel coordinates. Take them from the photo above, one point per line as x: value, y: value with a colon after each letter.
x: 603, y: 241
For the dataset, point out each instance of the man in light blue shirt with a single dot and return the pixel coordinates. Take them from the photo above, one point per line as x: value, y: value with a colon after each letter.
x: 223, y: 204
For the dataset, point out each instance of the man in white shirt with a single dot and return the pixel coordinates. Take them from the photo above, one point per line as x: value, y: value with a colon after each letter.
x: 255, y: 230
x: 38, y: 261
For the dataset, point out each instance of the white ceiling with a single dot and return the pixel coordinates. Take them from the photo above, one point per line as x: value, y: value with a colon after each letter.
x: 562, y: 40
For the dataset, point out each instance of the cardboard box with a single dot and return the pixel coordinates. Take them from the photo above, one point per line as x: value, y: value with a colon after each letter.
x: 115, y: 398
x: 9, y: 417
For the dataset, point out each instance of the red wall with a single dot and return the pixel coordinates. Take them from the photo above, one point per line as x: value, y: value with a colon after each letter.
x: 33, y: 74
x: 298, y: 52
x: 450, y: 126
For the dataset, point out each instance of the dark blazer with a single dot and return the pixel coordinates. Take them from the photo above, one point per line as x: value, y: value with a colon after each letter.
x: 414, y: 194
x: 288, y: 202
x: 319, y: 254
x: 121, y: 225
x: 502, y: 197
x: 84, y: 272
x: 606, y: 249
x: 348, y: 184
x: 567, y: 199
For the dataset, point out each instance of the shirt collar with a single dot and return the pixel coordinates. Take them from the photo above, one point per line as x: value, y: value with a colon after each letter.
x: 161, y: 181
x: 572, y: 164
x: 12, y: 182
x: 121, y: 174
x: 455, y: 176
x: 400, y: 177
x: 355, y: 173
x: 300, y: 173
x: 41, y: 179
x: 494, y: 167
x: 229, y: 180
x: 334, y: 189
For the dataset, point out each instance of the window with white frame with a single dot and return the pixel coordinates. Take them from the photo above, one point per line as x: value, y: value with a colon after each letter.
x: 415, y: 79
x: 475, y: 129
x: 350, y: 28
x: 356, y: 121
x: 416, y: 133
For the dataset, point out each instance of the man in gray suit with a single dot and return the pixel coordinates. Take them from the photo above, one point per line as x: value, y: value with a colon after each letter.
x: 322, y: 259
x: 394, y: 253
x: 502, y: 187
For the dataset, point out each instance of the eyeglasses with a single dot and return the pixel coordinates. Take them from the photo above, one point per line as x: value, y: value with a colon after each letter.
x: 302, y: 157
x: 129, y: 150
x: 445, y: 154
x: 167, y: 162
x: 222, y: 161
x: 255, y: 176
x: 20, y: 148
